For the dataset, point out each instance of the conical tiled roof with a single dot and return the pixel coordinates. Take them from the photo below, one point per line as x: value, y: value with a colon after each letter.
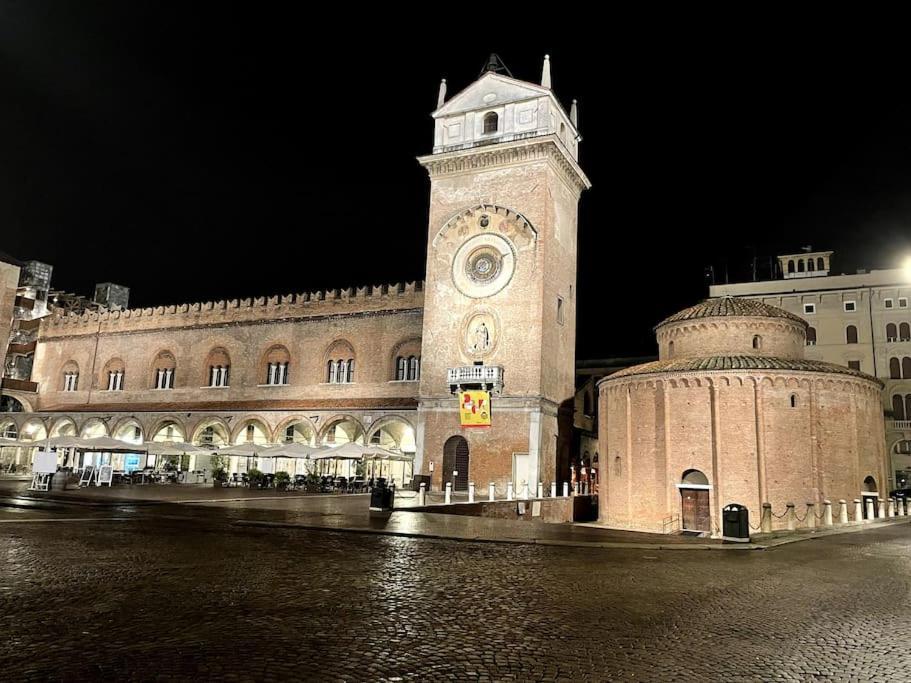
x: 728, y: 306
x: 727, y: 363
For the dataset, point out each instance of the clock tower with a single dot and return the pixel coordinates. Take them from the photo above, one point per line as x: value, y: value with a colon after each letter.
x: 500, y: 298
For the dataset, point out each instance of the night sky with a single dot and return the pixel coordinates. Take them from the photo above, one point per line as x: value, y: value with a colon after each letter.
x: 196, y: 154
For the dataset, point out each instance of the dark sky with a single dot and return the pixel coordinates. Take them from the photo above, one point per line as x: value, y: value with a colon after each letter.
x: 193, y: 153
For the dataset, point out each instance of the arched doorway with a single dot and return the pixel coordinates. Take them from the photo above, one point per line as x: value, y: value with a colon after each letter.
x: 455, y: 463
x: 870, y: 492
x: 695, y: 514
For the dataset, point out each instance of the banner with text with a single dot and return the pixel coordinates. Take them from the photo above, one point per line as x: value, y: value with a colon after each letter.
x: 474, y: 408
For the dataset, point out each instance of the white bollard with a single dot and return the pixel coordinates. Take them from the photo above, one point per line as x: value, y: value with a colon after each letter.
x: 765, y: 521
x: 891, y: 510
x: 811, y: 516
x: 858, y: 510
x: 578, y: 488
x: 827, y: 513
x: 509, y: 490
x: 566, y: 489
x: 553, y: 489
x: 881, y: 512
x: 471, y: 492
x: 491, y: 491
x: 540, y: 489
x: 422, y: 495
x: 871, y: 514
x: 842, y: 512
x: 791, y: 516
x: 448, y: 493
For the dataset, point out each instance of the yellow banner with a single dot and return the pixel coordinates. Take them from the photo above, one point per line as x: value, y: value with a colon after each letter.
x: 474, y: 408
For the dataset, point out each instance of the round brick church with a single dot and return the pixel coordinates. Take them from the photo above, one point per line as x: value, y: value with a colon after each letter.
x: 732, y: 412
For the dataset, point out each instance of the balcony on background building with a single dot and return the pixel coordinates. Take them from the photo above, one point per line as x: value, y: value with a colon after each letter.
x: 486, y: 377
x: 900, y: 424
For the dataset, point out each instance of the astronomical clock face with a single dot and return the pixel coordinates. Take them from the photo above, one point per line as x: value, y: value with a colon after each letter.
x: 484, y: 263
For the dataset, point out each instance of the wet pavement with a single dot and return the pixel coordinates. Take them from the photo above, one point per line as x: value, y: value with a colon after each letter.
x: 177, y: 592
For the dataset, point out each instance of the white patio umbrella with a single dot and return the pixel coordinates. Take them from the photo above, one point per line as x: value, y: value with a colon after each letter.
x: 292, y: 451
x: 174, y: 448
x: 245, y: 450
x: 105, y: 444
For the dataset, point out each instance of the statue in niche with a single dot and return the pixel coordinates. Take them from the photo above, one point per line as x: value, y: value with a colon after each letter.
x: 481, y: 337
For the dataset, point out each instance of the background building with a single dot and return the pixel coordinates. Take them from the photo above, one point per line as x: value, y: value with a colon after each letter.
x: 860, y: 320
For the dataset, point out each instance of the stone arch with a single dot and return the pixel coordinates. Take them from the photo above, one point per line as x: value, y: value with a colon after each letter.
x: 355, y: 432
x: 93, y: 427
x: 392, y: 432
x: 869, y: 484
x: 339, y: 362
x: 32, y: 429
x: 64, y: 426
x: 218, y: 359
x: 456, y: 458
x: 159, y: 430
x: 694, y: 477
x: 69, y: 368
x: 125, y: 430
x: 8, y: 428
x: 112, y: 366
x: 306, y: 433
x: 220, y: 434
x: 518, y: 226
x: 261, y: 433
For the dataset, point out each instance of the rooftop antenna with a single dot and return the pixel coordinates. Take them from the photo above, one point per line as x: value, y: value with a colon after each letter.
x: 495, y: 65
x: 545, y: 72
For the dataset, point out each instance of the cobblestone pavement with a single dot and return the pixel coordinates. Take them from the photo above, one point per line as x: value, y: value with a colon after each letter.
x: 180, y: 594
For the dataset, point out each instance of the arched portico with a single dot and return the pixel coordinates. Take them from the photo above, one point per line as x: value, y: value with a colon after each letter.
x: 393, y: 433
x: 341, y: 429
x: 296, y: 429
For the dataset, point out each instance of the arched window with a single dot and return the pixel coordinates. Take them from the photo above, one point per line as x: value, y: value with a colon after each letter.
x: 276, y: 362
x: 801, y: 266
x: 851, y: 334
x: 908, y: 406
x: 71, y: 376
x: 898, y: 407
x: 163, y: 369
x: 618, y: 466
x: 414, y: 368
x: 218, y: 366
x: 330, y: 372
x: 340, y: 362
x: 820, y: 264
x: 891, y: 332
x: 670, y: 349
x: 793, y: 400
x: 491, y: 122
x: 791, y: 265
x: 904, y: 332
x: 870, y: 485
x: 811, y: 336
x: 811, y: 265
x: 401, y: 369
x: 113, y: 374
x: 906, y: 367
x: 895, y: 370
x: 694, y: 478
x: 757, y: 342
x: 903, y: 447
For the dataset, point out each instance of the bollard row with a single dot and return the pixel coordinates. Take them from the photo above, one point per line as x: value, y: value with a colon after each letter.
x: 865, y: 509
x: 523, y: 494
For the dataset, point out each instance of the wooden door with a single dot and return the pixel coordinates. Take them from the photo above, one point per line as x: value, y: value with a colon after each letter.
x: 695, y: 509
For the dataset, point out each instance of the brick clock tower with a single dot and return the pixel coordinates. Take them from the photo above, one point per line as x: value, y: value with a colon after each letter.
x: 500, y: 298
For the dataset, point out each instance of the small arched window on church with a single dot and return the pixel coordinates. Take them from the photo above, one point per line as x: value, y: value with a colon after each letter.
x: 891, y: 332
x: 757, y: 342
x: 801, y: 266
x: 414, y: 368
x: 820, y: 264
x: 670, y: 349
x: 401, y: 364
x: 895, y: 371
x: 811, y: 336
x: 793, y: 400
x: 791, y: 266
x: 906, y: 368
x: 618, y: 466
x: 811, y: 265
x: 898, y: 407
x: 904, y: 332
x: 851, y: 334
x: 491, y: 122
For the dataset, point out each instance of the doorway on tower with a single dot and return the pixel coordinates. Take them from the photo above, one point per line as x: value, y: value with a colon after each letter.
x: 455, y: 463
x: 870, y: 493
x: 695, y: 515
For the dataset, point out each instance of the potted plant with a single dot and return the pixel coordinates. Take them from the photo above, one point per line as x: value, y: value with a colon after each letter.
x: 282, y: 479
x: 219, y: 477
x: 256, y: 478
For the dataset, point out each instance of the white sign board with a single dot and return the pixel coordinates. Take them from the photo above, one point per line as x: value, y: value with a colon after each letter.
x: 105, y: 475
x: 45, y: 463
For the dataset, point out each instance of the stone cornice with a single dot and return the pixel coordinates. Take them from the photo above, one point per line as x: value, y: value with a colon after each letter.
x: 545, y: 148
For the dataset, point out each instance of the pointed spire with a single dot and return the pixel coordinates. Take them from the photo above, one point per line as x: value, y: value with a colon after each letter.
x: 545, y: 72
x: 574, y: 114
x: 441, y: 98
